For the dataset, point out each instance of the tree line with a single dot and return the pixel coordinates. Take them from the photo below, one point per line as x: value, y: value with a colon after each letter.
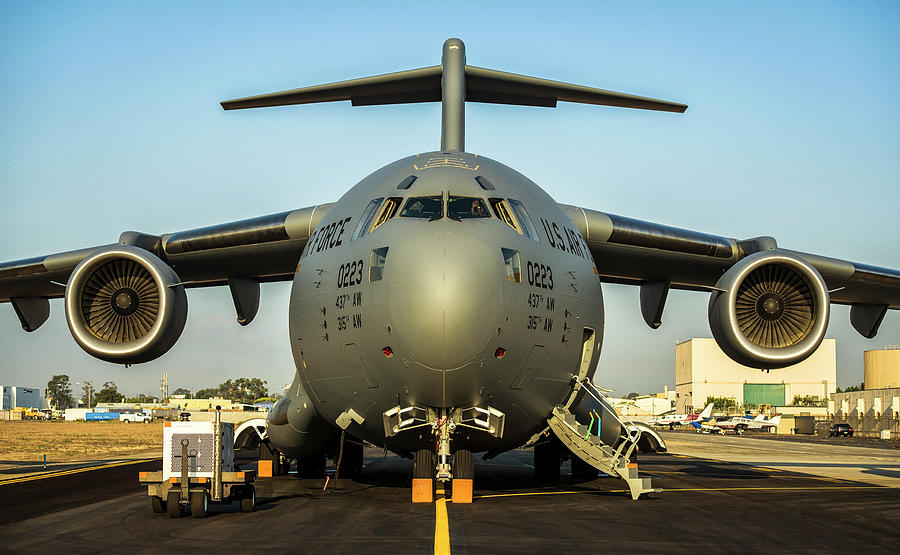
x: 240, y: 390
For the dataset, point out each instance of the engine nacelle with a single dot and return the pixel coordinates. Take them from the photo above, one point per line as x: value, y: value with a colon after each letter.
x: 770, y: 310
x: 125, y: 305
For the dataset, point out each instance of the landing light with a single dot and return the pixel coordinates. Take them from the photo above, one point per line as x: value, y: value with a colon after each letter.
x: 500, y: 352
x: 388, y: 352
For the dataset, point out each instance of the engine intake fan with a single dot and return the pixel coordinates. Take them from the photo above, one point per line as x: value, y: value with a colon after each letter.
x: 770, y: 311
x: 124, y: 304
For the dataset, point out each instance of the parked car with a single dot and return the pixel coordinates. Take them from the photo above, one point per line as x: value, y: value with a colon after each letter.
x: 840, y: 430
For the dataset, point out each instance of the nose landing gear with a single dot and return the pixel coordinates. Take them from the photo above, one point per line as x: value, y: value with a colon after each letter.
x: 442, y: 464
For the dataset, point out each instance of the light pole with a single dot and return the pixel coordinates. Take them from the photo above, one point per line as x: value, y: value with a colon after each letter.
x: 90, y: 390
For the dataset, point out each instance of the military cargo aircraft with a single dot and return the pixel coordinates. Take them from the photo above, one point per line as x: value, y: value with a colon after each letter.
x: 446, y: 305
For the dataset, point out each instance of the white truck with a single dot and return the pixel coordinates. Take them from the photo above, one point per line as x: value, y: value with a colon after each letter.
x: 135, y: 417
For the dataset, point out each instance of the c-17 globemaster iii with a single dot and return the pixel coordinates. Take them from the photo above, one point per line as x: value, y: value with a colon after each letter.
x: 446, y: 305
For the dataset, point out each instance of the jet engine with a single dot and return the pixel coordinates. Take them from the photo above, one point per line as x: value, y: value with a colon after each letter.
x: 125, y: 305
x: 769, y: 310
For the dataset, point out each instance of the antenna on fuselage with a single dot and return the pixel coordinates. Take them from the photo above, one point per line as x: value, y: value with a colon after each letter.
x: 453, y: 83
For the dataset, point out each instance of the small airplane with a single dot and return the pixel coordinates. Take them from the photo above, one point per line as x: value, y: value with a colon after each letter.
x: 672, y: 420
x: 447, y: 305
x: 740, y: 424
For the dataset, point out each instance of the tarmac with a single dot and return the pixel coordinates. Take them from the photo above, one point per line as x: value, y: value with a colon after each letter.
x: 720, y: 493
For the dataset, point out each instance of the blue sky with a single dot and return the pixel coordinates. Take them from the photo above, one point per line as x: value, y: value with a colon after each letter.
x: 111, y: 122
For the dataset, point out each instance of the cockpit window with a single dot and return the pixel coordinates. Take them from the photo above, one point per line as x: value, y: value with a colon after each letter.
x: 366, y: 221
x: 524, y: 219
x: 373, y: 217
x: 460, y: 208
x: 423, y: 207
x: 514, y: 214
x: 387, y: 212
x: 501, y: 208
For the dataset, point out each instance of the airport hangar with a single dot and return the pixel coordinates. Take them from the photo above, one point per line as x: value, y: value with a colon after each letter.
x: 703, y: 370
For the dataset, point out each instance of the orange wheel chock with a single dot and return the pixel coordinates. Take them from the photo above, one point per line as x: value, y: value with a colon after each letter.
x: 422, y: 490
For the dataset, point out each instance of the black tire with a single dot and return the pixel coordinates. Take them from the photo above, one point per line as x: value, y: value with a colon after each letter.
x: 173, y: 507
x: 249, y: 500
x: 423, y: 464
x: 312, y: 466
x: 547, y: 458
x: 351, y: 458
x: 463, y: 465
x: 158, y: 505
x: 199, y: 504
x: 582, y: 470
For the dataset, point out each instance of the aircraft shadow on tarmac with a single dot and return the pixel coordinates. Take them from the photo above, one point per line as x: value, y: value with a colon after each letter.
x: 889, y: 470
x: 17, y: 468
x: 702, y: 468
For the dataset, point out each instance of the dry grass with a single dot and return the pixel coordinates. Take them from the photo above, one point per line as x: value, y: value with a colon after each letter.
x: 27, y: 441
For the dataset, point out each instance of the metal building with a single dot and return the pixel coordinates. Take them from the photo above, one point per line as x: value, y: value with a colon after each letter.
x: 703, y: 370
x: 25, y: 397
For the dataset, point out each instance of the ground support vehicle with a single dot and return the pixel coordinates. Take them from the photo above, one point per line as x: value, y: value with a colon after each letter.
x: 198, y: 468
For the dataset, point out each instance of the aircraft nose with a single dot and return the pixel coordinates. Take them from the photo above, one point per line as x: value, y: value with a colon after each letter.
x: 444, y: 298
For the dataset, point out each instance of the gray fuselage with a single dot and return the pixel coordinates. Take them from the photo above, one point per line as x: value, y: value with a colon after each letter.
x: 451, y: 322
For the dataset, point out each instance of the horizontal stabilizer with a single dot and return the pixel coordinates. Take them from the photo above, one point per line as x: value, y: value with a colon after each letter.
x: 424, y: 85
x: 499, y: 87
x: 415, y: 85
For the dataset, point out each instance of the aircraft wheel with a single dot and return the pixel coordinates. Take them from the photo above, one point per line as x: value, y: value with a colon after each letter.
x: 173, y: 507
x: 547, y: 458
x: 582, y: 470
x: 463, y: 465
x: 352, y: 458
x: 249, y: 500
x: 311, y: 466
x: 199, y: 504
x: 158, y: 505
x: 423, y: 464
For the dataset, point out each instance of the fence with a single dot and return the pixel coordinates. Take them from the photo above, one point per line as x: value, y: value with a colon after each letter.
x: 867, y: 426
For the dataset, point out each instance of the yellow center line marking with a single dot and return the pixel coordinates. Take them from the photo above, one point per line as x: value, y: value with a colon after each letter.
x: 441, y: 526
x: 70, y: 471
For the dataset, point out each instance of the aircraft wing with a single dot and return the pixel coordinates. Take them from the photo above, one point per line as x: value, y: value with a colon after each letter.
x: 657, y: 257
x: 262, y: 249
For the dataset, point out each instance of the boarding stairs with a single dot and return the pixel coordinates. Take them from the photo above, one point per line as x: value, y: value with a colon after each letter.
x: 613, y: 459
